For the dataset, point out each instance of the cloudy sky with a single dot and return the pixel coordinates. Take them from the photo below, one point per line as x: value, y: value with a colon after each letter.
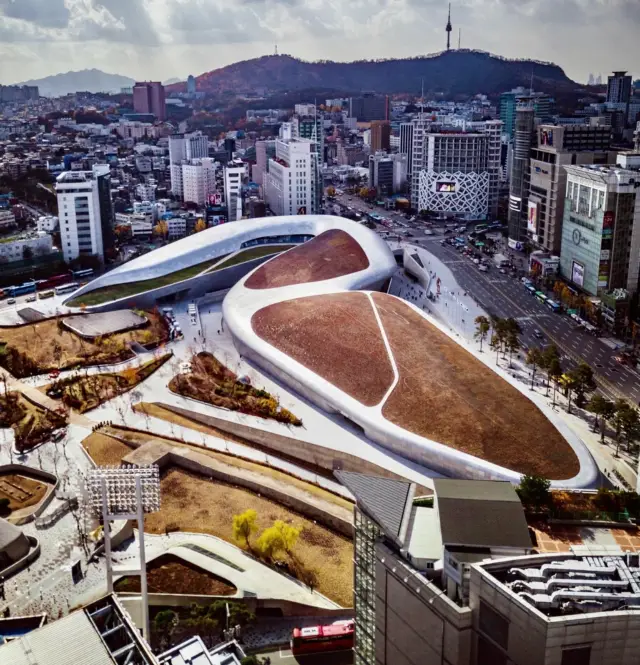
x: 161, y: 39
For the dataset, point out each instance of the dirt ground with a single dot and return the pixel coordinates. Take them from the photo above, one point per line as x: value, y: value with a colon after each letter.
x: 21, y: 491
x: 170, y: 574
x: 53, y: 346
x: 32, y: 424
x: 447, y: 395
x: 331, y: 254
x: 105, y: 450
x: 336, y: 336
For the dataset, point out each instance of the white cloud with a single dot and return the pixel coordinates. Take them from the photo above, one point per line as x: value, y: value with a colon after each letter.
x: 164, y: 38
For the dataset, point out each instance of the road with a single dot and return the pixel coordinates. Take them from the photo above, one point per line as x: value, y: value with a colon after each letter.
x: 285, y: 657
x: 505, y: 296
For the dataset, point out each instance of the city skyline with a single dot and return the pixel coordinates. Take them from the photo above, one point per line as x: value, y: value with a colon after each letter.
x: 159, y: 39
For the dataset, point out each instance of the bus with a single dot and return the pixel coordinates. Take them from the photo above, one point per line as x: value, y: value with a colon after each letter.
x: 481, y: 227
x: 43, y: 295
x: 82, y: 273
x: 553, y: 306
x: 531, y: 289
x: 52, y: 282
x: 317, y: 639
x: 26, y: 287
x: 66, y: 288
x: 541, y: 297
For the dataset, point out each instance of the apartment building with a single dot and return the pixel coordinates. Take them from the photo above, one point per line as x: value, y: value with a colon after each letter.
x: 234, y: 174
x: 198, y: 180
x: 184, y: 148
x: 25, y: 246
x: 85, y: 212
x: 291, y: 184
x: 149, y: 97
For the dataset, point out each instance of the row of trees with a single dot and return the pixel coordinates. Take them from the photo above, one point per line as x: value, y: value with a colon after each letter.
x: 504, y: 335
x: 623, y: 418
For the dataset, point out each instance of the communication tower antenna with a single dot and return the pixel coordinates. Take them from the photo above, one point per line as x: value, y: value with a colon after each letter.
x: 276, y: 51
x: 459, y: 37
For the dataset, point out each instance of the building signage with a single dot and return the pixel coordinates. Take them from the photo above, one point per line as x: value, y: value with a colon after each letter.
x: 577, y: 273
x: 578, y: 238
x: 302, y: 210
x: 607, y: 224
x: 605, y: 255
x: 532, y: 217
x: 215, y: 199
x: 445, y: 187
x: 546, y: 137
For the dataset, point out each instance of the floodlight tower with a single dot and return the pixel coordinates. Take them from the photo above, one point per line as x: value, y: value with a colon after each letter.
x: 125, y: 493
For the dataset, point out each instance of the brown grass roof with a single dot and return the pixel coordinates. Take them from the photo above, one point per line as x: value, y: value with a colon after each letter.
x: 331, y: 254
x: 336, y: 336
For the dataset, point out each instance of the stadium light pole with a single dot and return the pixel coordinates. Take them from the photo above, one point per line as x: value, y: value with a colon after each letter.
x: 125, y: 493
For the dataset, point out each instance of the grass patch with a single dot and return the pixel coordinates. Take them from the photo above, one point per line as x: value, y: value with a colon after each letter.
x: 171, y: 574
x: 211, y: 382
x: 21, y: 491
x: 46, y: 345
x: 249, y: 254
x: 31, y: 423
x: 192, y: 503
x: 117, y: 291
x: 84, y: 393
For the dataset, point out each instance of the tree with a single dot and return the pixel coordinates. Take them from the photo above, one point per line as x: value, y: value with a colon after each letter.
x: 534, y: 491
x: 512, y: 344
x: 244, y: 525
x: 289, y: 535
x: 630, y: 426
x: 497, y: 335
x: 331, y: 191
x: 601, y: 407
x: 568, y: 382
x: 583, y: 377
x: 483, y: 325
x: 535, y: 359
x: 617, y: 419
x: 27, y: 253
x: 161, y: 229
x: 551, y: 363
x: 201, y: 225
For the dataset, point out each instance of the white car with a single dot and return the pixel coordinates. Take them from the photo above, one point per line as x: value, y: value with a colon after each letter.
x: 31, y: 299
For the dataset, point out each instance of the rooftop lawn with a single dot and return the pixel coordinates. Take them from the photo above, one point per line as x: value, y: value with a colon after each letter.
x: 117, y: 291
x: 249, y: 254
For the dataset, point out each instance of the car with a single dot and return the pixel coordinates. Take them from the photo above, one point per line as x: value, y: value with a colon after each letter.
x: 31, y: 298
x: 57, y: 435
x: 11, y: 301
x: 503, y: 271
x: 538, y: 334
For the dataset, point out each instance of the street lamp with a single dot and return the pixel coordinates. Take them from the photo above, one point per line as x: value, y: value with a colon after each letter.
x: 125, y: 493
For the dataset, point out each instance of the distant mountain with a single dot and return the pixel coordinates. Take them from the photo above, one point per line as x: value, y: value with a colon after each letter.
x: 457, y: 72
x: 171, y: 81
x: 87, y: 80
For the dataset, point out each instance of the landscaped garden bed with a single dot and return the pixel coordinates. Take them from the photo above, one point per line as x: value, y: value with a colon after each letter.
x: 128, y: 289
x: 84, y: 393
x: 48, y: 345
x: 211, y: 382
x: 32, y: 424
x: 19, y: 492
x: 171, y: 574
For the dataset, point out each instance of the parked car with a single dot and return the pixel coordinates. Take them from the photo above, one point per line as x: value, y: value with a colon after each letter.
x: 31, y: 298
x: 11, y: 301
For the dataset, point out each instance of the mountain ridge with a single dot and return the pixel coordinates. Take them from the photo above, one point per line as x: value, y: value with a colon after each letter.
x: 456, y: 72
x: 84, y: 80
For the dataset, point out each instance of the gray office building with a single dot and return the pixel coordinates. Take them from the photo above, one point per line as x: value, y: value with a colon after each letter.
x: 519, y: 180
x: 369, y: 107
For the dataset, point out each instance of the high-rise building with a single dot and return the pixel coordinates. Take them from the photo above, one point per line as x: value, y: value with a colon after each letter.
x: 519, y: 178
x: 369, y: 107
x: 191, y: 85
x: 556, y: 147
x: 184, y: 148
x: 85, y: 212
x: 265, y: 150
x: 600, y: 249
x: 380, y: 136
x: 387, y: 173
x: 18, y: 93
x: 234, y: 173
x: 198, y: 180
x: 619, y: 88
x: 148, y: 97
x: 421, y: 122
x: 406, y: 142
x: 461, y: 172
x: 541, y: 103
x: 291, y: 184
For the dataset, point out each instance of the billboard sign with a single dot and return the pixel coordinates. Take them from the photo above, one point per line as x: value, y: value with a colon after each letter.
x: 215, y: 199
x: 445, y: 187
x: 607, y: 224
x: 216, y: 220
x: 577, y: 273
x: 532, y: 217
x: 302, y: 210
x: 546, y: 137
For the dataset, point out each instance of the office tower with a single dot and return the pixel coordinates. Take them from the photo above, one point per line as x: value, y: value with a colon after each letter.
x: 198, y: 180
x: 380, y: 135
x: 191, y: 85
x: 420, y: 126
x: 148, y: 97
x: 618, y: 88
x: 234, y: 173
x: 556, y: 147
x: 184, y: 148
x: 519, y: 179
x: 292, y: 178
x: 230, y: 147
x: 311, y: 128
x: 600, y: 249
x: 85, y: 212
x: 369, y: 107
x: 265, y: 150
x: 461, y: 171
x: 541, y: 103
x: 387, y: 173
x: 406, y: 141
